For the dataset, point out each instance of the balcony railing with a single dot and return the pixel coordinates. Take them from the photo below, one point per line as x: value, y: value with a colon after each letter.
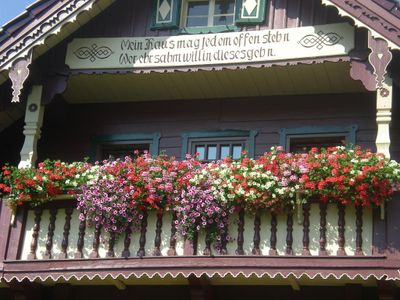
x: 321, y: 238
x: 55, y: 232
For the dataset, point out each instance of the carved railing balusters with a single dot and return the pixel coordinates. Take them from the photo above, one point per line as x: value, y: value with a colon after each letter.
x: 127, y: 242
x: 359, y: 224
x: 157, y: 239
x: 256, y: 238
x: 289, y: 235
x: 207, y: 249
x: 81, y: 236
x: 306, y: 229
x: 224, y: 241
x: 240, y: 238
x: 172, y: 239
x: 274, y: 224
x: 96, y: 242
x: 111, y: 243
x: 341, y: 228
x: 58, y: 232
x: 50, y: 233
x: 67, y: 228
x: 142, y: 241
x: 35, y: 233
x: 322, y: 229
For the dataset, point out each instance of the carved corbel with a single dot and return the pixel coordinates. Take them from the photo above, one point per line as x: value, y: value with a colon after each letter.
x: 362, y: 70
x: 18, y: 74
x: 54, y: 84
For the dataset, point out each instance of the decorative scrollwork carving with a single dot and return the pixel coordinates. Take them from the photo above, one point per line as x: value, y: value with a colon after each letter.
x: 93, y: 52
x: 18, y: 75
x: 320, y: 40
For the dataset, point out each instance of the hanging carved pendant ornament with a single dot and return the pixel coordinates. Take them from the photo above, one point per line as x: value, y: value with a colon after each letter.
x: 379, y: 58
x: 18, y: 75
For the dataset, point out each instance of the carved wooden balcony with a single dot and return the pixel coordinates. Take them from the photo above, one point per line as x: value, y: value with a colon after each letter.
x: 315, y: 239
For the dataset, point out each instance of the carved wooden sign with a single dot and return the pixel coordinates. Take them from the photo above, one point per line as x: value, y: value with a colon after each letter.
x: 211, y: 49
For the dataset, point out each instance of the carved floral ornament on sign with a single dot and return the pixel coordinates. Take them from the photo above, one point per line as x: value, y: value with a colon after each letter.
x: 211, y: 49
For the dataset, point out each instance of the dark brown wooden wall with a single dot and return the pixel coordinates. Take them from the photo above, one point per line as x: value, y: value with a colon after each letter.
x: 11, y: 141
x: 395, y: 128
x: 68, y: 129
x: 133, y: 17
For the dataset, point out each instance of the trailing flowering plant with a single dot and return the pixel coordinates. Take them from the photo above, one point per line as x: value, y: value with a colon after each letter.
x: 350, y: 176
x: 38, y: 185
x: 128, y: 188
x: 109, y: 205
x: 197, y: 208
x: 286, y: 170
x: 115, y: 193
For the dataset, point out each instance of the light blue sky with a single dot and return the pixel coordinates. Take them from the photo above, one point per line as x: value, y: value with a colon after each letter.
x: 9, y: 9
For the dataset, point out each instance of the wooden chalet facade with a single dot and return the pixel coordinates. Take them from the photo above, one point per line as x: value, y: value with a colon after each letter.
x: 92, y: 78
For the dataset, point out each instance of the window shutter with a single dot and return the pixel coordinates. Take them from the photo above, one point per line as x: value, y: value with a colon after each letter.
x: 165, y: 14
x: 250, y: 11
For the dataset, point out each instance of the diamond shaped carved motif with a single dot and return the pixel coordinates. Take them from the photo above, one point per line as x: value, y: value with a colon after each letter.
x: 250, y: 5
x: 164, y: 9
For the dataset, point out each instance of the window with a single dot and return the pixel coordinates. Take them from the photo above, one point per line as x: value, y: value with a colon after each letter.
x: 122, y: 149
x: 205, y: 16
x: 214, y: 149
x: 209, y: 13
x: 302, y: 144
x: 219, y: 144
x: 304, y: 138
x: 121, y: 145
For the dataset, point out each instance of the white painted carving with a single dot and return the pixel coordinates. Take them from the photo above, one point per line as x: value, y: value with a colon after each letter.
x: 164, y: 9
x: 250, y: 5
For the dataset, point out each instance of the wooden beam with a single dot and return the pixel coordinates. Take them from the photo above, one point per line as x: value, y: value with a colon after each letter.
x: 5, y: 217
x: 118, y: 284
x: 33, y: 123
x: 293, y: 283
x: 386, y: 290
x: 200, y: 288
x: 354, y: 292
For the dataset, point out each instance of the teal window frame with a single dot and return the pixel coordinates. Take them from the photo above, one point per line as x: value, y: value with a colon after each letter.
x: 249, y: 20
x: 285, y: 134
x: 175, y: 16
x: 249, y: 135
x: 152, y: 138
x: 208, y: 29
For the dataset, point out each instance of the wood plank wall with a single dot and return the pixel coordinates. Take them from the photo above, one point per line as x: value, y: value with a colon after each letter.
x: 132, y: 18
x: 68, y: 129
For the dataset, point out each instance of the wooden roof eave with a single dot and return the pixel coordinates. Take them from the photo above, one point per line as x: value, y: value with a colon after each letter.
x: 35, y: 38
x: 36, y: 34
x: 367, y: 14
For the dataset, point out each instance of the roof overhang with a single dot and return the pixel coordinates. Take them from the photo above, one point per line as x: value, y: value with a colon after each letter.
x: 368, y: 14
x: 57, y: 21
x: 55, y: 24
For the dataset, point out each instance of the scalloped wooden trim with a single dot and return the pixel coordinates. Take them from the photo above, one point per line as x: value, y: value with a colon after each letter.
x: 52, y: 26
x: 358, y: 23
